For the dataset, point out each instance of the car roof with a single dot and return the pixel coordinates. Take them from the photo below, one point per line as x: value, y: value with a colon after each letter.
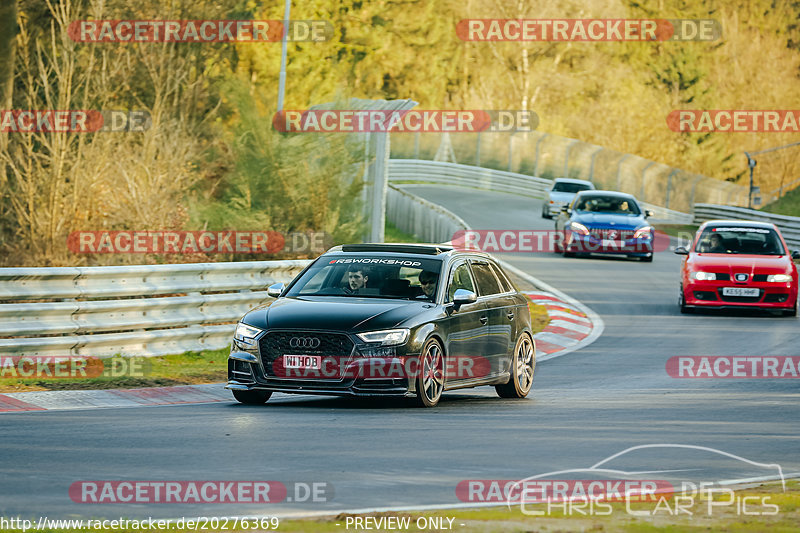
x: 601, y: 192
x: 739, y: 223
x: 571, y: 180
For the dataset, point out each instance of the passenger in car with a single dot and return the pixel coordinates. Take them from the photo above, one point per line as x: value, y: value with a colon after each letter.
x: 427, y: 281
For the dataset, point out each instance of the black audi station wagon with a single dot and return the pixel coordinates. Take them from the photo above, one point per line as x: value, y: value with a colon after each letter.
x: 387, y: 320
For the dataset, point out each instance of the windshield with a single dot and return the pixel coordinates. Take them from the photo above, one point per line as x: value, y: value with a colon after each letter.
x: 370, y: 276
x: 739, y: 240
x: 571, y: 187
x: 607, y: 204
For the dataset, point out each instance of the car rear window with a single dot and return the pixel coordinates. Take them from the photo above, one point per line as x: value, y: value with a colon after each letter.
x: 571, y: 187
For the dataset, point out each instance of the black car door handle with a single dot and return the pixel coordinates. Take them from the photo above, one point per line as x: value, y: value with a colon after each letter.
x: 484, y: 320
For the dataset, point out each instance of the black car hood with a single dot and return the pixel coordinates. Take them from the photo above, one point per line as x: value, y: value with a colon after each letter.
x: 334, y: 313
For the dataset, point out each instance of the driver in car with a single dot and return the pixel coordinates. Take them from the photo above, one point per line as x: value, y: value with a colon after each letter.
x: 356, y: 279
x: 715, y: 245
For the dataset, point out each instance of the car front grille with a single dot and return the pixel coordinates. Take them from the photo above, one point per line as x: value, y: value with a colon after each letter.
x: 336, y: 348
x: 611, y: 234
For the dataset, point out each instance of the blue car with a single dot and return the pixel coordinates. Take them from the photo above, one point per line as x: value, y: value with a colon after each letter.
x: 604, y: 222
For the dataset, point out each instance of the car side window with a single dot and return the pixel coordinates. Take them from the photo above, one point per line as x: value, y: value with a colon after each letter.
x: 487, y: 282
x: 460, y: 279
x: 505, y: 284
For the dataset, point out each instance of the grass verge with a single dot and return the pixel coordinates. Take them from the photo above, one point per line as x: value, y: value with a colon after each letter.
x: 771, y: 510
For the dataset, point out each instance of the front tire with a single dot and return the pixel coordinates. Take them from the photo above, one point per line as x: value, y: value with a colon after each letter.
x: 523, y: 365
x: 430, y: 378
x: 252, y: 397
x: 682, y: 304
x: 648, y: 259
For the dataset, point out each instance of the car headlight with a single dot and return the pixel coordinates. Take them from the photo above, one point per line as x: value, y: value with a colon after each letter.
x: 703, y: 276
x: 246, y: 334
x: 577, y: 227
x: 643, y: 233
x: 387, y: 337
x: 779, y: 278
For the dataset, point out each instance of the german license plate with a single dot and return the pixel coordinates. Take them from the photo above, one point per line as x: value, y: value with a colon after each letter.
x: 313, y: 362
x: 739, y: 291
x: 608, y: 243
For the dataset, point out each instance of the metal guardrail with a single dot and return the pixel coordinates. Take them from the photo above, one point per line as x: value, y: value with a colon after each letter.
x: 789, y: 226
x: 442, y: 173
x: 425, y: 220
x: 99, y: 311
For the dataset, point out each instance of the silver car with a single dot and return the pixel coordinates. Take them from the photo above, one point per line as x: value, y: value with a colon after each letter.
x: 562, y: 193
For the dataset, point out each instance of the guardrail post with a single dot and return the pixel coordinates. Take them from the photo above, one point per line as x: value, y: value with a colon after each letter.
x: 694, y: 186
x: 641, y: 187
x: 669, y: 186
x: 566, y: 157
x: 379, y: 187
x: 510, y: 149
x: 416, y: 145
x: 619, y: 168
x: 538, y: 146
x: 591, y: 165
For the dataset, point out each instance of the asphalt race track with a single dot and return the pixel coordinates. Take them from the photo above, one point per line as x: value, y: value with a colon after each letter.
x: 585, y: 407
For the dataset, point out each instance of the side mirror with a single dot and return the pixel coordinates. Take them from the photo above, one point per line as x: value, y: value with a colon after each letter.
x: 565, y: 209
x: 680, y: 250
x: 648, y: 213
x: 462, y: 297
x: 795, y: 254
x: 275, y: 290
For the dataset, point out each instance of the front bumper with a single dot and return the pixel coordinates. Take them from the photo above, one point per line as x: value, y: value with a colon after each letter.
x: 708, y: 294
x: 578, y: 243
x: 554, y: 208
x: 356, y: 390
x: 353, y: 375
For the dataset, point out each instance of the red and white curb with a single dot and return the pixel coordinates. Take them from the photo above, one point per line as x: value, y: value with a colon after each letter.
x: 572, y: 325
x: 94, y: 399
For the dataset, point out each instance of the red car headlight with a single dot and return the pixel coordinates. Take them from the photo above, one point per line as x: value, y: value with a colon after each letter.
x: 779, y: 278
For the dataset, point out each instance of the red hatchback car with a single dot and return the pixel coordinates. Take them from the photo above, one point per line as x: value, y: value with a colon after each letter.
x: 734, y: 263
